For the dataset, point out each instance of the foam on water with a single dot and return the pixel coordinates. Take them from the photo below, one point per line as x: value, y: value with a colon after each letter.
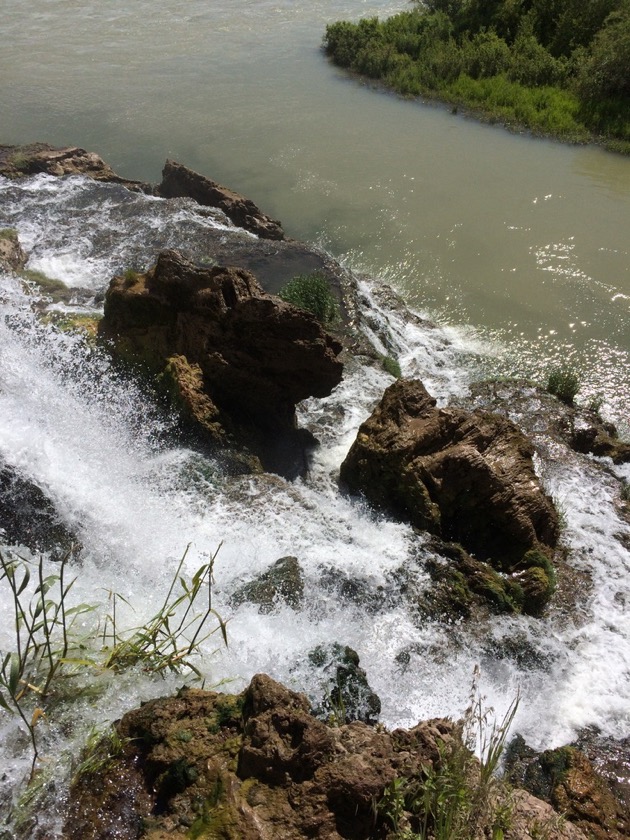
x: 101, y: 449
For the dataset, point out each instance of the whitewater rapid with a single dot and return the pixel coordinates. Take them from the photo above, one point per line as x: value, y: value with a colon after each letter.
x: 107, y: 456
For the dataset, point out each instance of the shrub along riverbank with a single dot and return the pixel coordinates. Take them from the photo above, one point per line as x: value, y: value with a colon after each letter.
x: 559, y: 68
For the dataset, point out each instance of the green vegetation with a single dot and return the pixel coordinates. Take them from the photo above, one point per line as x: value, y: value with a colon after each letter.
x: 9, y: 233
x: 559, y: 68
x: 564, y: 383
x: 459, y: 797
x: 51, y: 652
x: 391, y: 365
x: 312, y: 292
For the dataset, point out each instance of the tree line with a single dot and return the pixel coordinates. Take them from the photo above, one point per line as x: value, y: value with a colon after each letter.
x: 559, y: 67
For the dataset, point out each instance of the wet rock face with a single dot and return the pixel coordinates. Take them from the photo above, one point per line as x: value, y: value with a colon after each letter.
x: 236, y: 358
x: 12, y: 257
x: 347, y: 694
x: 467, y: 477
x: 28, y: 517
x: 179, y: 181
x: 246, y: 768
x: 282, y: 583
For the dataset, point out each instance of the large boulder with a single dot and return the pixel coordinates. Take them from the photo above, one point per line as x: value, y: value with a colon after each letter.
x: 467, y: 477
x: 259, y: 765
x: 235, y: 358
x: 178, y: 181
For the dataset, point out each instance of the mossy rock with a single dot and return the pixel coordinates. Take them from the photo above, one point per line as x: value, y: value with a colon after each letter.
x: 282, y: 583
x: 74, y: 322
x: 347, y: 694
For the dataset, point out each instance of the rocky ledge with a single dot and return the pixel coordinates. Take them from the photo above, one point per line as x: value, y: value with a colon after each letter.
x: 177, y: 181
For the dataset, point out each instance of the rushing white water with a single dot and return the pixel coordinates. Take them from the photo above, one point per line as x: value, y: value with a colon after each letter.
x: 103, y: 452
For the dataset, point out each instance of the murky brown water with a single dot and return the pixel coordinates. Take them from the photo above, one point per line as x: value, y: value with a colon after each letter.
x: 526, y: 239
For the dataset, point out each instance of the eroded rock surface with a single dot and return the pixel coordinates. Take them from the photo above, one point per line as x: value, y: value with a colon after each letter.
x: 237, y: 359
x: 467, y: 477
x: 568, y: 780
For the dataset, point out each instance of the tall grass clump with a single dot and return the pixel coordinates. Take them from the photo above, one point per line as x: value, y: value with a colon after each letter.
x: 52, y: 648
x: 312, y: 292
x: 458, y: 797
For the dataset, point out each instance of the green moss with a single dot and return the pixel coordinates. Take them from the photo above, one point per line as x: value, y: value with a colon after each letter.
x: 228, y: 712
x: 19, y: 161
x: 74, y: 322
x: 9, y: 233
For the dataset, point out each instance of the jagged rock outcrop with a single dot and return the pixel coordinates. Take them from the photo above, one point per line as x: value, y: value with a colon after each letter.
x: 258, y: 766
x: 592, y: 435
x: 12, y: 256
x: 178, y: 181
x: 467, y: 477
x: 237, y: 359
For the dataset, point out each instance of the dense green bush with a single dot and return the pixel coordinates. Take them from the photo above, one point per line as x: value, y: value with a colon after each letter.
x: 560, y: 67
x: 564, y: 382
x: 312, y: 292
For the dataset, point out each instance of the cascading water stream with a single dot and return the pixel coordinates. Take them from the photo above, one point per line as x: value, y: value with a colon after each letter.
x: 105, y: 454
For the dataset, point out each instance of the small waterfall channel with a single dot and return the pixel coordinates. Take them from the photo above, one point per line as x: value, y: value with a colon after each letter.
x: 105, y: 453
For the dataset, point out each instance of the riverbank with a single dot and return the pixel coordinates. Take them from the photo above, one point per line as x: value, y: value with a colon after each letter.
x: 520, y: 73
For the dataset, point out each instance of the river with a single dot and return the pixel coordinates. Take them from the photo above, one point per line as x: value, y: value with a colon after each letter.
x: 518, y: 247
x: 525, y: 239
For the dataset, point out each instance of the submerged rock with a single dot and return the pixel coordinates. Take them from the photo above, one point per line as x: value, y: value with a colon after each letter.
x: 179, y: 181
x: 467, y: 477
x: 259, y: 765
x: 237, y: 359
x: 283, y: 582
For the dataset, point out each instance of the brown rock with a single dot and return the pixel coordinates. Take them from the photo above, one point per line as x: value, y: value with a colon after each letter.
x: 464, y: 476
x: 12, y: 257
x: 179, y: 181
x: 236, y: 357
x: 599, y: 438
x: 568, y: 780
